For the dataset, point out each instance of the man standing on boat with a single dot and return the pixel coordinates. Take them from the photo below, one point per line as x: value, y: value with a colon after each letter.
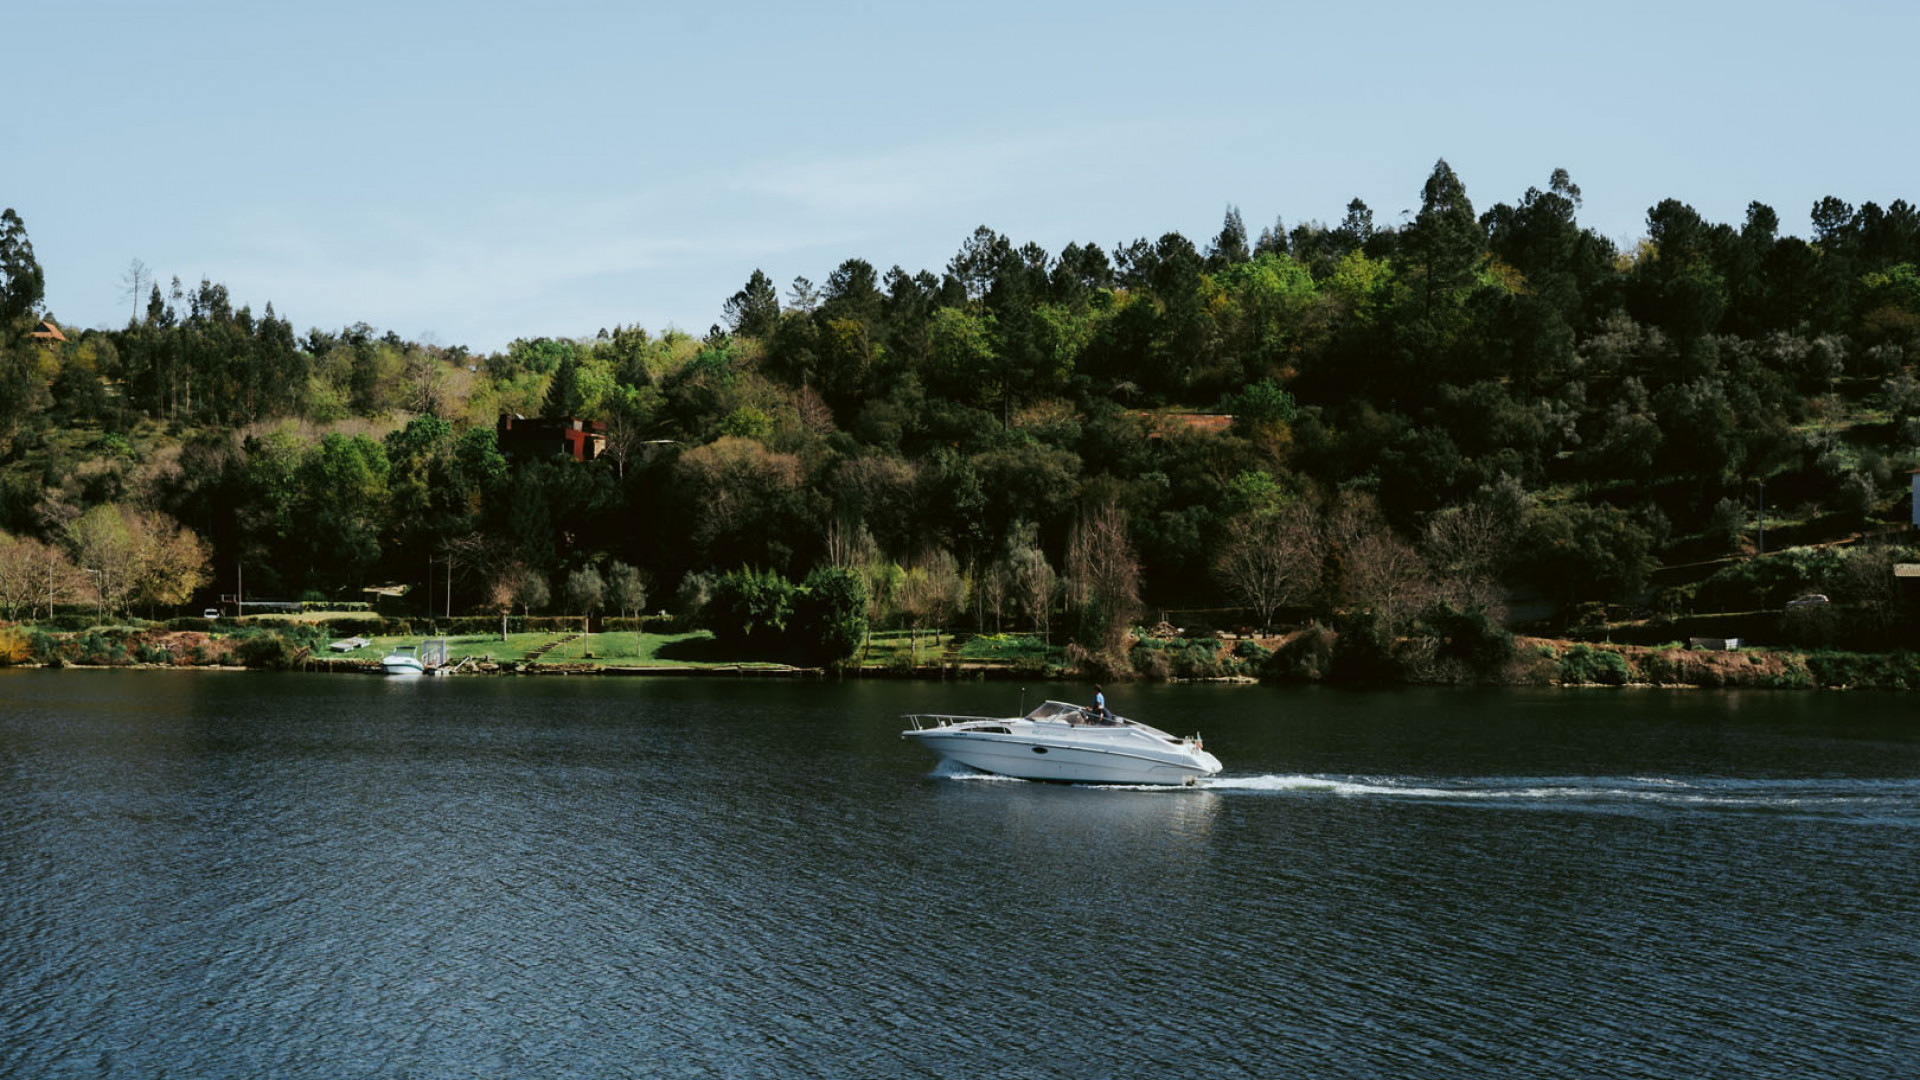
x: 1100, y: 703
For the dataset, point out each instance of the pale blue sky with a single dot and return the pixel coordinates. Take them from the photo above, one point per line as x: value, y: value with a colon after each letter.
x: 476, y: 172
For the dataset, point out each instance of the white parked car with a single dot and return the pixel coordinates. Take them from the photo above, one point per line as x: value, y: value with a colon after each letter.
x: 1809, y: 600
x: 210, y: 613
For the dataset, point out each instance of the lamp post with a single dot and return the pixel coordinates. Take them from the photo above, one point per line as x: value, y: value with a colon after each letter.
x: 1763, y: 515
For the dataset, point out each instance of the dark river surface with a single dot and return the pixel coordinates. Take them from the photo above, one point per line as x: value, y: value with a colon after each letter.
x: 242, y: 875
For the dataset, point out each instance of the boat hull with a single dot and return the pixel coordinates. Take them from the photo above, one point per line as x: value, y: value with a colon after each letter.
x: 1029, y: 759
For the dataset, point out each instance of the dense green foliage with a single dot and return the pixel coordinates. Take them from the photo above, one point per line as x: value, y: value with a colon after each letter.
x: 1427, y: 422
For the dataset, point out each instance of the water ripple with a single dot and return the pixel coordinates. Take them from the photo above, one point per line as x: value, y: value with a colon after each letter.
x: 556, y: 880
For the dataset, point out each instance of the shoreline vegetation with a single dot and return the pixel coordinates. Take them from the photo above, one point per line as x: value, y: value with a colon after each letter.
x: 1302, y: 656
x: 1470, y: 446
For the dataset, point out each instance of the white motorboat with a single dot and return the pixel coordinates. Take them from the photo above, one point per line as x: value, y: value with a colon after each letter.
x: 1065, y: 742
x: 403, y: 660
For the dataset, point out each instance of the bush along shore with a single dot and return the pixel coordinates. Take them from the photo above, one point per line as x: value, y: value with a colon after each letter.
x: 1464, y: 653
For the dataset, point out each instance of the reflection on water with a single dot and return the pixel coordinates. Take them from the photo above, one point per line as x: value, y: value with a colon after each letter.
x: 322, y: 876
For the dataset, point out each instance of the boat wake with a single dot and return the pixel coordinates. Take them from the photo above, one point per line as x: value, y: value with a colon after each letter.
x: 1880, y: 799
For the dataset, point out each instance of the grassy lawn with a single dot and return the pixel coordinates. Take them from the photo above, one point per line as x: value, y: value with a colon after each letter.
x: 621, y: 649
x: 1011, y: 647
x: 894, y: 648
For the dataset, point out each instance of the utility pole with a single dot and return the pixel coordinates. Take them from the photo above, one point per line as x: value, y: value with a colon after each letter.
x: 1763, y: 516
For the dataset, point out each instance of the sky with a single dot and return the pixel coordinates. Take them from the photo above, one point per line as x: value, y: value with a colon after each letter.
x: 470, y: 173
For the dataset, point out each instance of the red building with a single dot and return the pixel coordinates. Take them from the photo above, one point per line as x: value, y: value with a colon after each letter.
x: 523, y: 439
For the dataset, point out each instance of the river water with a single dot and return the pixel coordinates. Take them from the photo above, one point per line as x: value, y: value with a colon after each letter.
x: 241, y: 875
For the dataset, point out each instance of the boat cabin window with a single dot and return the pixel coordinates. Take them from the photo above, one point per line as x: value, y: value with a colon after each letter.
x: 992, y: 729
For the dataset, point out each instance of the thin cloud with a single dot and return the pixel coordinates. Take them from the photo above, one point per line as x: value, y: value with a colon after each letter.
x: 924, y: 177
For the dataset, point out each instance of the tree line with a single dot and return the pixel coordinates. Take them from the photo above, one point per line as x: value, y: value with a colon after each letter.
x: 1440, y: 415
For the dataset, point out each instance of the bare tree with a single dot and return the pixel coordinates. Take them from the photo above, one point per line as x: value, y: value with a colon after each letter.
x: 849, y: 545
x: 1033, y: 579
x: 624, y: 436
x: 170, y: 562
x: 427, y: 381
x: 1103, y: 577
x: 530, y: 591
x: 991, y: 582
x: 1377, y: 571
x: 1465, y: 548
x: 885, y: 580
x: 32, y: 573
x: 103, y: 546
x: 137, y: 556
x: 482, y: 561
x: 1270, y: 561
x: 134, y: 283
x: 501, y: 593
x: 933, y: 589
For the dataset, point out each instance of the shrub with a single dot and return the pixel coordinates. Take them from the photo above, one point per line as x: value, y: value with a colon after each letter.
x: 1364, y: 652
x: 1096, y: 664
x: 1584, y: 664
x: 1768, y: 581
x: 750, y: 608
x: 45, y: 647
x: 649, y: 624
x: 1725, y: 524
x: 831, y: 614
x: 1306, y: 657
x: 1864, y: 671
x: 1197, y: 658
x: 152, y: 654
x: 1151, y: 662
x: 268, y: 651
x: 1184, y: 658
x: 94, y: 647
x: 15, y: 646
x: 356, y: 625
x: 1469, y: 637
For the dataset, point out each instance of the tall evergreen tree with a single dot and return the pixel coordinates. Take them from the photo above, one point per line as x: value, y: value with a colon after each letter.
x: 22, y: 282
x: 563, y: 390
x: 1230, y: 247
x: 1445, y: 242
x: 755, y: 310
x: 1273, y: 239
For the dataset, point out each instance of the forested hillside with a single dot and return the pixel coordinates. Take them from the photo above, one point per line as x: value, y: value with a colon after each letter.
x: 1441, y: 417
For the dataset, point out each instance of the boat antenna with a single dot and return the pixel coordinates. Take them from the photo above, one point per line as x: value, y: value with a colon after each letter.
x: 1023, y: 701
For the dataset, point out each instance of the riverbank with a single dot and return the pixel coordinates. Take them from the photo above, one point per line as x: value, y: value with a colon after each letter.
x: 1312, y: 655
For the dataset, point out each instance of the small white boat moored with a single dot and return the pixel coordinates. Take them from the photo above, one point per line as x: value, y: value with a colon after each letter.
x: 403, y: 660
x: 1067, y: 743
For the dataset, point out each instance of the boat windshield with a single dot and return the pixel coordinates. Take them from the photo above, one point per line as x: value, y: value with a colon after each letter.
x: 1056, y: 710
